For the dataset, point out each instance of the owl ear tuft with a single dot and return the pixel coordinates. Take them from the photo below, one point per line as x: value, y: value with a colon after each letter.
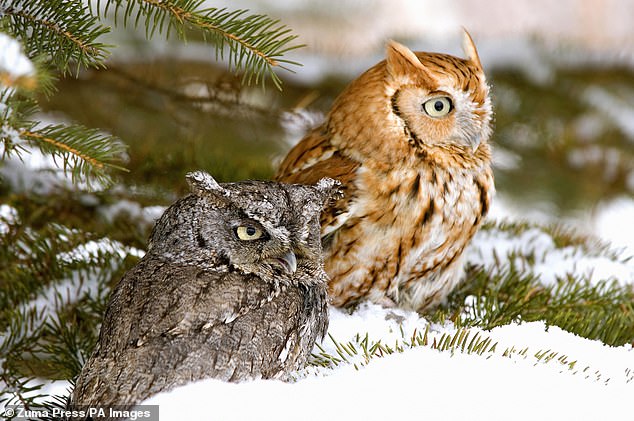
x: 202, y: 183
x: 402, y: 62
x: 469, y: 48
x: 329, y: 189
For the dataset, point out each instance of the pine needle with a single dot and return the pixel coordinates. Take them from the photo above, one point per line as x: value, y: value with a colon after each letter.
x: 254, y: 44
x: 63, y: 30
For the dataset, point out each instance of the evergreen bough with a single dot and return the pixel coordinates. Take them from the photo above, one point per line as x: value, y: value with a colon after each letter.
x: 64, y: 36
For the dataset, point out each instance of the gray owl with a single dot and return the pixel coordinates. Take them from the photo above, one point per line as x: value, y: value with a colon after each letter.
x: 232, y: 287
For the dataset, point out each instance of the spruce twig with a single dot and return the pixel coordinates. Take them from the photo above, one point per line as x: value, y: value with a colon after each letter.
x: 506, y: 293
x: 63, y: 30
x: 85, y: 153
x: 255, y: 43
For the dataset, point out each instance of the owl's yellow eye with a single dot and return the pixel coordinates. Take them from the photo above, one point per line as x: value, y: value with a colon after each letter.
x: 438, y: 107
x: 248, y: 233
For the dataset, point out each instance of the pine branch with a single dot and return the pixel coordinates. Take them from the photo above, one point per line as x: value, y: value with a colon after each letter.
x: 16, y: 389
x: 255, y: 43
x: 31, y: 261
x: 63, y: 30
x: 510, y: 292
x: 53, y: 293
x: 85, y: 152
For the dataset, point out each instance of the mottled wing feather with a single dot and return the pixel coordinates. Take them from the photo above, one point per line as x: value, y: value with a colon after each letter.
x: 158, y: 299
x: 315, y: 158
x: 188, y: 320
x: 315, y: 146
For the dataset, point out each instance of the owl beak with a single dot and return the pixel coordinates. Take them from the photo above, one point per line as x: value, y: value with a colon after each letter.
x: 288, y: 262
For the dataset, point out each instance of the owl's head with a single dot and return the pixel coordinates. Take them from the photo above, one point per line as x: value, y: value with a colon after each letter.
x: 267, y: 228
x: 426, y: 100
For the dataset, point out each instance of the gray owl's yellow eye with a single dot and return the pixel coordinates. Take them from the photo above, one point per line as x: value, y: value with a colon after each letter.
x: 248, y: 233
x: 438, y: 107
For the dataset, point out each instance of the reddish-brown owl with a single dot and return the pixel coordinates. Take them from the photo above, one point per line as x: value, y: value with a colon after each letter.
x: 409, y: 141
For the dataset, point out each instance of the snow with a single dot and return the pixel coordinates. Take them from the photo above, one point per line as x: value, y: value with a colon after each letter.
x: 611, y: 159
x: 64, y: 292
x: 298, y: 122
x: 38, y: 173
x: 604, y: 363
x: 610, y: 221
x: 551, y: 263
x: 613, y: 220
x: 424, y: 383
x: 42, y: 387
x: 147, y: 214
x: 505, y: 159
x: 619, y: 110
x: 13, y: 66
x: 8, y: 216
x: 588, y: 127
x: 13, y: 62
x: 90, y: 251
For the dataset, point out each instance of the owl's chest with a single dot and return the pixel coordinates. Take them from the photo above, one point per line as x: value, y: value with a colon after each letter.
x: 430, y: 193
x: 422, y: 211
x: 403, y: 225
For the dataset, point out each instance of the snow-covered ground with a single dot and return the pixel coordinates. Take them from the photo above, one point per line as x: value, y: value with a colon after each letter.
x: 532, y: 373
x: 611, y: 223
x: 423, y: 383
